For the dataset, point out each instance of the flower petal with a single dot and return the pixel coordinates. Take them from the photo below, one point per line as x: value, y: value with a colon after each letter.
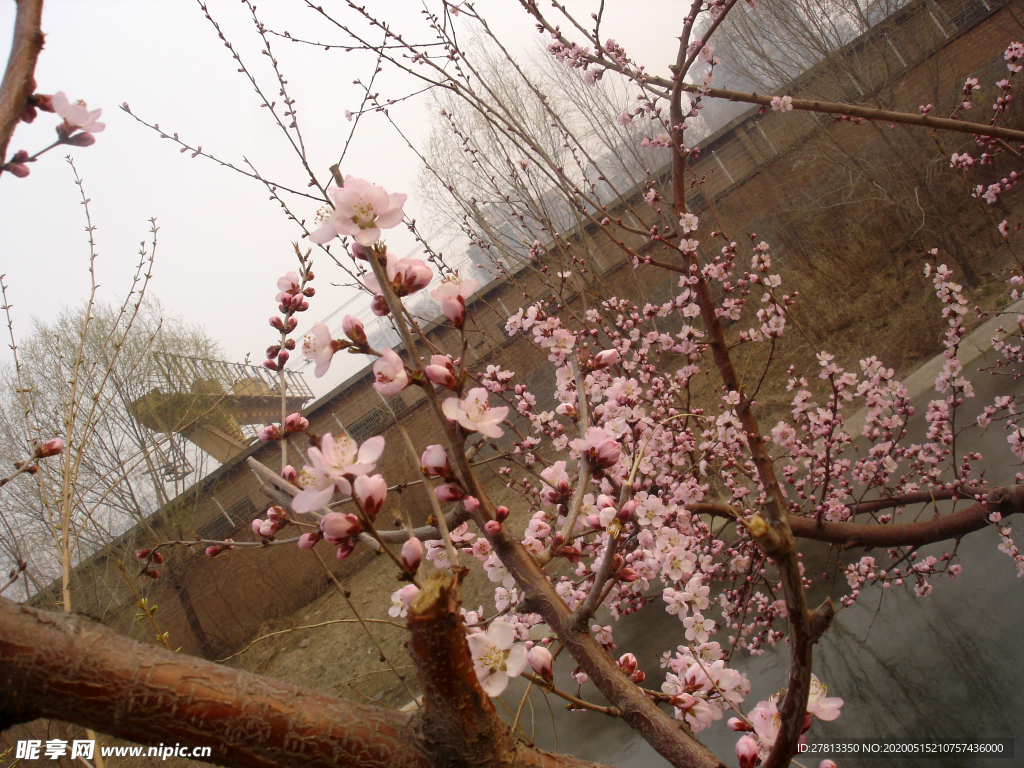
x: 310, y: 499
x: 501, y: 634
x: 518, y: 658
x: 495, y: 683
x: 324, y: 234
x: 371, y: 450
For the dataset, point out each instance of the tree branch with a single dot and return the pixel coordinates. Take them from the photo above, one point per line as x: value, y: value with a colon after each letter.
x: 18, y: 82
x: 71, y: 668
x: 1007, y: 501
x: 866, y: 113
x: 74, y: 669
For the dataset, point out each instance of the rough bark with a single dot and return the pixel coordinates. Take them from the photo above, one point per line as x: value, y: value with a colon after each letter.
x: 18, y: 79
x: 71, y: 668
x: 458, y: 725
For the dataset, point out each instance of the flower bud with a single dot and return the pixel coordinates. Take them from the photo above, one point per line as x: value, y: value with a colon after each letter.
x: 606, y: 454
x: 628, y: 510
x: 747, y: 750
x: 735, y: 724
x: 371, y: 491
x: 628, y: 575
x: 337, y: 526
x: 50, y: 448
x: 448, y: 492
x: 441, y: 376
x: 153, y: 573
x: 500, y: 513
x: 289, y: 474
x: 142, y: 554
x: 434, y: 462
x: 379, y: 307
x: 454, y: 308
x: 269, y: 433
x: 270, y: 365
x: 471, y: 504
x: 353, y: 328
x: 628, y: 662
x: 572, y: 554
x: 83, y: 139
x: 307, y: 540
x: 412, y: 554
x: 158, y: 558
x: 493, y: 527
x: 345, y: 548
x: 541, y: 661
x: 276, y: 322
x: 295, y: 422
x: 606, y: 358
x: 282, y: 358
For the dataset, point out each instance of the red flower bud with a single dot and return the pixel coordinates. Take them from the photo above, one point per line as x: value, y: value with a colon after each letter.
x: 50, y: 448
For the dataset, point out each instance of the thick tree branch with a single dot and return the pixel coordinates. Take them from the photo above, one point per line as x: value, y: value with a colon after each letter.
x: 18, y: 82
x: 74, y: 669
x: 1007, y: 501
x: 458, y: 725
x: 771, y: 532
x: 71, y: 668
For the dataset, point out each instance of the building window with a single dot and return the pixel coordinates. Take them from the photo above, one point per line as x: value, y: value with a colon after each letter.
x: 220, y: 527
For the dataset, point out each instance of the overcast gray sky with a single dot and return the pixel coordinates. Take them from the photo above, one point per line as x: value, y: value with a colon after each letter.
x: 222, y: 243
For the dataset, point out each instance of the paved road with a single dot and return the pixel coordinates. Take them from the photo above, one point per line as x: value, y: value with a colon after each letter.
x: 945, y: 666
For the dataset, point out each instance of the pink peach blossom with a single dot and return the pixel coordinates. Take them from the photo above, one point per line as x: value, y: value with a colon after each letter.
x: 319, y: 347
x: 389, y: 374
x: 361, y: 210
x: 474, y: 414
x: 333, y: 466
x: 497, y: 657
